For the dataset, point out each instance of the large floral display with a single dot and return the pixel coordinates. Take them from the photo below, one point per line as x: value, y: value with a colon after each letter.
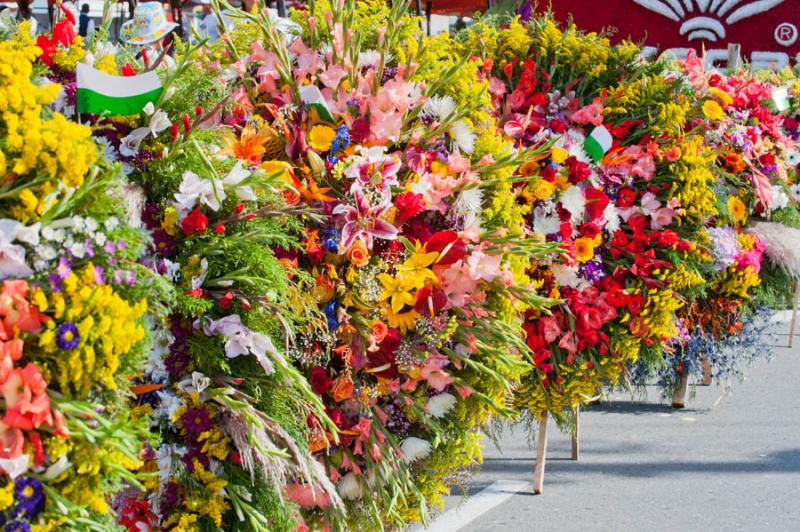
x: 291, y: 290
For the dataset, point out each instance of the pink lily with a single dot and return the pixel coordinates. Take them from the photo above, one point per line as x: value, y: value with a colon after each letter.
x: 364, y: 221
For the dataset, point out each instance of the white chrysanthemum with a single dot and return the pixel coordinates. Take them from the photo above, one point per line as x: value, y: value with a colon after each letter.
x: 468, y: 205
x: 779, y: 198
x: 611, y: 216
x: 439, y: 405
x: 793, y: 158
x: 47, y: 252
x: 463, y: 137
x: 348, y: 487
x: 77, y: 250
x: 168, y: 404
x: 111, y: 223
x: 546, y: 224
x: 573, y: 201
x: 568, y: 276
x: 415, y: 449
x: 439, y: 107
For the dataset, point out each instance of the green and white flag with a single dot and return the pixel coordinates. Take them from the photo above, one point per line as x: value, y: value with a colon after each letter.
x: 102, y: 93
x: 311, y: 96
x: 598, y: 143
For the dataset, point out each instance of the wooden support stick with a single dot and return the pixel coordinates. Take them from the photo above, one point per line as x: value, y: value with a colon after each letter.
x: 706, y: 365
x: 576, y: 435
x: 794, y: 312
x: 679, y: 395
x: 541, y: 456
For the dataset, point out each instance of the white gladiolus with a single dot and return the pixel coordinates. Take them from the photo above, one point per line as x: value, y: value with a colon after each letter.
x: 415, y: 449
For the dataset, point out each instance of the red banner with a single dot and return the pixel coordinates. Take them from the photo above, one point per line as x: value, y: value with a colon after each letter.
x: 767, y: 30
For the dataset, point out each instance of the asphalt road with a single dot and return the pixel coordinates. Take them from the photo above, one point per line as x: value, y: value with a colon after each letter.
x: 727, y: 462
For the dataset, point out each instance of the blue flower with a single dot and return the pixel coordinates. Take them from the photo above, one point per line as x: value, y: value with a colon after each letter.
x: 330, y: 314
x: 29, y: 498
x: 18, y: 526
x: 67, y: 336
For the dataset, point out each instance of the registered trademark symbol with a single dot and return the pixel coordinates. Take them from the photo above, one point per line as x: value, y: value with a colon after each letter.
x: 786, y: 34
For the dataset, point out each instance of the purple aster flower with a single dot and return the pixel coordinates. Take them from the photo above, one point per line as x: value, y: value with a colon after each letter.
x: 109, y: 247
x: 17, y: 526
x: 592, y: 270
x: 29, y: 496
x: 121, y: 245
x: 525, y: 10
x: 196, y: 421
x: 194, y: 452
x: 67, y: 336
x: 170, y: 495
x: 64, y: 268
x: 163, y: 243
x: 55, y: 282
x: 99, y: 277
x: 87, y: 244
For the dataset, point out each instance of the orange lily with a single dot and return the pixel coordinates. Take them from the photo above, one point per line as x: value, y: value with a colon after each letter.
x: 249, y: 146
x: 313, y: 193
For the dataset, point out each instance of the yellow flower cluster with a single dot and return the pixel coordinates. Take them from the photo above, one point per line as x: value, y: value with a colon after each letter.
x: 585, y: 52
x: 93, y: 464
x: 67, y: 58
x: 737, y: 283
x: 681, y: 278
x: 55, y: 148
x: 6, y: 496
x: 108, y: 327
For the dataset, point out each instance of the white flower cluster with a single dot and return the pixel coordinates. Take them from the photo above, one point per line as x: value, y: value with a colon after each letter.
x: 77, y: 236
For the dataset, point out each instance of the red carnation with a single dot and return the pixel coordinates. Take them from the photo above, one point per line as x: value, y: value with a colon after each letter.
x: 447, y: 243
x: 359, y: 131
x: 320, y: 381
x: 196, y: 222
x: 626, y: 197
x: 408, y: 205
x: 579, y: 171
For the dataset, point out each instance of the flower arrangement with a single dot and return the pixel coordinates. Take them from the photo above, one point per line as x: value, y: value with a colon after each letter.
x: 290, y: 293
x: 73, y: 309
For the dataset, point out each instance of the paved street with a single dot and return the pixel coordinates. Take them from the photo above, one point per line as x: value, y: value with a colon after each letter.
x: 724, y: 463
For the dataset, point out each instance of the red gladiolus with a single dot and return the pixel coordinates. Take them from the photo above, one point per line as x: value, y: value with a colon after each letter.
x: 239, y: 208
x: 225, y: 301
x: 187, y: 125
x: 219, y: 229
x: 195, y: 222
x: 198, y: 110
x: 174, y: 132
x: 626, y: 197
x: 320, y: 382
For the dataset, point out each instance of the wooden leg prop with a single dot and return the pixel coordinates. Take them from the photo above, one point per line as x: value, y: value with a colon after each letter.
x: 576, y: 435
x: 706, y: 365
x: 794, y: 312
x: 541, y: 456
x: 679, y: 395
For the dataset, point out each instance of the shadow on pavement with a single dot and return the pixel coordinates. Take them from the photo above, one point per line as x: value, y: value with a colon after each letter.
x: 787, y: 461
